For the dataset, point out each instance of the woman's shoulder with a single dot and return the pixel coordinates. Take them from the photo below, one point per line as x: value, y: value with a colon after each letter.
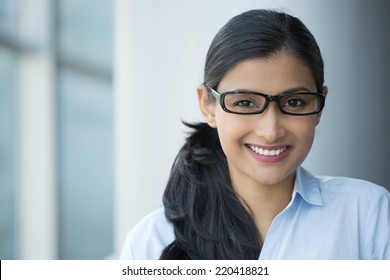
x: 350, y: 207
x: 341, y: 190
x: 154, y: 220
x: 148, y: 237
x: 350, y: 186
x: 351, y: 192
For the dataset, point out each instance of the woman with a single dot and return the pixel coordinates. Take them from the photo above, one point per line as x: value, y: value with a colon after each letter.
x: 236, y: 189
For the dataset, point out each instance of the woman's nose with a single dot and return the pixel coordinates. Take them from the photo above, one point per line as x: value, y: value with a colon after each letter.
x: 269, y: 124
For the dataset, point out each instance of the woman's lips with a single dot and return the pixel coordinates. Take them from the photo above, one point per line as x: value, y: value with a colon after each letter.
x: 268, y: 154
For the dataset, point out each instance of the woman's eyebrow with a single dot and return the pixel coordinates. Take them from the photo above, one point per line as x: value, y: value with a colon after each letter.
x: 290, y: 90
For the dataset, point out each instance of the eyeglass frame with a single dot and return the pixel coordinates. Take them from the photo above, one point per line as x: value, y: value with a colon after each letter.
x: 220, y: 97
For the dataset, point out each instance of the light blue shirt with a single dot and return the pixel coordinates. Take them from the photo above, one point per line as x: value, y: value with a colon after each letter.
x: 327, y: 218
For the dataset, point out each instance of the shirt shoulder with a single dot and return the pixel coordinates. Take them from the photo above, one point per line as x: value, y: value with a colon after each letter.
x: 350, y: 218
x: 349, y: 193
x: 350, y: 187
x: 319, y: 190
x: 364, y: 204
x: 148, y: 238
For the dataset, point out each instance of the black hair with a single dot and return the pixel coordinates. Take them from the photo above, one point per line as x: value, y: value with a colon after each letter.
x: 260, y: 34
x: 210, y: 221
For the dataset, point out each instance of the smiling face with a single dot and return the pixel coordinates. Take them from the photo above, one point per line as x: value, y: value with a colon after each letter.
x: 267, y: 148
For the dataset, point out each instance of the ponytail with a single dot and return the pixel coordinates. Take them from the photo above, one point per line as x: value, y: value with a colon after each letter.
x: 208, y: 218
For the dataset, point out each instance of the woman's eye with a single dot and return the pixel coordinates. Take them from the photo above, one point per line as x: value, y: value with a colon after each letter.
x: 245, y: 103
x: 294, y: 102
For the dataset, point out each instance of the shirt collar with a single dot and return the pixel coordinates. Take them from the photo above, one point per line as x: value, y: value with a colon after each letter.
x: 307, y: 186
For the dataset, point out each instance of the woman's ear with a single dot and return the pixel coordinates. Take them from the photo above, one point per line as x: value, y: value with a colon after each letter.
x: 207, y: 106
x: 325, y: 92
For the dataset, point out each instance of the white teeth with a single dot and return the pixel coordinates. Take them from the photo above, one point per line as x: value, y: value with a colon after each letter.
x: 269, y: 153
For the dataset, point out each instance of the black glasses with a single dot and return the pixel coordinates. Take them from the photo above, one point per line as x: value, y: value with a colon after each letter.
x: 246, y: 102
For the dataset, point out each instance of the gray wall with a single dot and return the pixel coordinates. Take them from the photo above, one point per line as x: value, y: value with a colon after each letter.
x: 353, y: 136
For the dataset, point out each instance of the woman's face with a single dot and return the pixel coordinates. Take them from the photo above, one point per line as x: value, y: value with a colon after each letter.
x: 284, y: 140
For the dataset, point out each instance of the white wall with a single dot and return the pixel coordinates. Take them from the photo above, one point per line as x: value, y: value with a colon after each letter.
x: 36, y: 192
x: 160, y: 52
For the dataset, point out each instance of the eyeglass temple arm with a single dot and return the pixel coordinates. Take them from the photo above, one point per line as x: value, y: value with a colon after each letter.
x: 216, y: 94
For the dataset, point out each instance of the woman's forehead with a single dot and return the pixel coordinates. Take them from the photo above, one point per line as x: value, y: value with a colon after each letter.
x: 273, y: 74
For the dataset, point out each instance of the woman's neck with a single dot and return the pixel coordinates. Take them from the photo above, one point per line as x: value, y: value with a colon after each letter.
x: 265, y: 202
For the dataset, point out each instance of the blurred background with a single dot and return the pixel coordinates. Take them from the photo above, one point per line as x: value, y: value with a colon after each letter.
x: 92, y: 94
